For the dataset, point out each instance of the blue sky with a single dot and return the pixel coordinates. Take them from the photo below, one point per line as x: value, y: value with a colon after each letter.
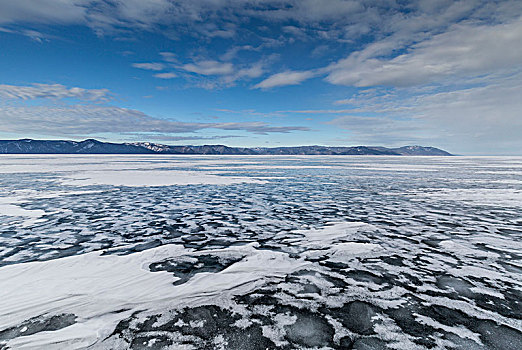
x: 265, y: 73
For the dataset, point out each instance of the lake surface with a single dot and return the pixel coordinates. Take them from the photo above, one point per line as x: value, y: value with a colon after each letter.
x: 254, y: 252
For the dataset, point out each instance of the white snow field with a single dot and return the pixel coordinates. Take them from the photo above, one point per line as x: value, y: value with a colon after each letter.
x: 254, y: 252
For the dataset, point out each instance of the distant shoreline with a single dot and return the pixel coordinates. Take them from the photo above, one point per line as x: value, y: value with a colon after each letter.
x: 91, y: 146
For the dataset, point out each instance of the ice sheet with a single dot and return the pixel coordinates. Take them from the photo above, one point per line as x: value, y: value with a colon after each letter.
x: 413, y: 253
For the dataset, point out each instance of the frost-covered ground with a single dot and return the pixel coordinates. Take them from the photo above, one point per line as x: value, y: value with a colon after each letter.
x: 182, y: 252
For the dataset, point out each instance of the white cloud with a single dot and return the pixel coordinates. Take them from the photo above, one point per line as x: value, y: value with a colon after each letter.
x: 166, y: 75
x: 169, y: 56
x: 284, y: 78
x: 333, y: 19
x: 483, y: 119
x: 52, y: 91
x: 210, y: 74
x: 318, y: 111
x: 149, y: 66
x: 65, y: 119
x: 93, y: 119
x: 209, y: 67
x: 464, y: 50
x: 253, y: 71
x: 234, y: 50
x: 146, y: 13
x: 46, y: 11
x: 307, y: 10
x: 383, y: 130
x: 34, y: 35
x: 142, y: 12
x: 166, y: 137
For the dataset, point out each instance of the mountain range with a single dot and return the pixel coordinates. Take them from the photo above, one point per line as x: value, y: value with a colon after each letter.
x: 91, y: 146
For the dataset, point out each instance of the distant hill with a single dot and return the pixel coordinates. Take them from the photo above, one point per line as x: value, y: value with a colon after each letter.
x: 420, y: 151
x: 27, y: 146
x: 91, y: 146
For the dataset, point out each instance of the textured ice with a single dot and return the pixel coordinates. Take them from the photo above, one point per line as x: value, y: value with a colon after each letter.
x: 191, y: 252
x: 14, y: 210
x: 101, y: 290
x: 151, y: 178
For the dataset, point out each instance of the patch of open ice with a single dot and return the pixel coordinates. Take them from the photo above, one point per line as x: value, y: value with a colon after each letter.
x: 460, y: 330
x: 336, y: 241
x: 8, y: 207
x: 502, y: 197
x: 152, y: 178
x: 14, y: 210
x: 341, y: 252
x: 332, y: 233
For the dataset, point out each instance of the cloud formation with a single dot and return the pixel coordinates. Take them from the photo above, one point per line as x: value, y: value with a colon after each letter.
x: 166, y: 137
x: 474, y: 120
x: 432, y: 39
x: 168, y: 75
x: 209, y: 67
x: 338, y: 20
x: 149, y: 66
x: 93, y: 119
x: 424, y: 69
x: 464, y: 50
x: 52, y: 91
x: 284, y: 79
x: 45, y: 11
x: 211, y: 74
x: 62, y: 118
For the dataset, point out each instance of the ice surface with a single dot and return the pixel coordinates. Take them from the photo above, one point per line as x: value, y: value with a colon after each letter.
x: 101, y: 290
x: 14, y: 210
x: 190, y: 252
x: 151, y: 178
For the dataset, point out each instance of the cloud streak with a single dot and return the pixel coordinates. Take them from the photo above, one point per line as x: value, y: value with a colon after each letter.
x: 209, y: 67
x: 52, y: 91
x: 149, y: 66
x: 211, y: 74
x: 163, y: 137
x: 465, y: 50
x: 168, y: 75
x: 93, y: 119
x: 62, y: 118
x: 284, y: 79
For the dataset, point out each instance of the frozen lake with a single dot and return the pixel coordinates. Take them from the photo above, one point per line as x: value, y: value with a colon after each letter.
x: 254, y: 252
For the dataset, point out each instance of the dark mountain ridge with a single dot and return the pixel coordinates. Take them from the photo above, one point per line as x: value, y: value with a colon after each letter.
x: 91, y: 146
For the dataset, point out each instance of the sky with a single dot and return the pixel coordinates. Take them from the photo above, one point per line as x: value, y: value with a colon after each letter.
x: 265, y: 73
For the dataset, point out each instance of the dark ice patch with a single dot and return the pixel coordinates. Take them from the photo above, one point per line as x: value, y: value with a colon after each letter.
x: 38, y: 324
x: 151, y: 342
x: 459, y: 343
x: 404, y: 317
x: 186, y: 269
x: 499, y: 337
x: 310, y: 330
x: 199, y: 327
x: 370, y: 343
x: 458, y: 285
x: 364, y: 276
x: 356, y: 316
x: 309, y: 288
x: 493, y: 335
